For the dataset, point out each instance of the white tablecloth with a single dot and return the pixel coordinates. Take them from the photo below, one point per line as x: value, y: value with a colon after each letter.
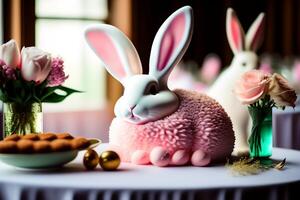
x: 73, y: 182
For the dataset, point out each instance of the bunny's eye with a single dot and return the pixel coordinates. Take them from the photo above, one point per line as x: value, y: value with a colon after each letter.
x: 244, y: 64
x: 153, y: 90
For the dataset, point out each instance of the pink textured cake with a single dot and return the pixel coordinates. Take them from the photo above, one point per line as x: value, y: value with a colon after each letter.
x: 200, y: 123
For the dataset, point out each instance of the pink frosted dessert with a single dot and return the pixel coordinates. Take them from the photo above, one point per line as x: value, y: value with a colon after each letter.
x: 199, y: 126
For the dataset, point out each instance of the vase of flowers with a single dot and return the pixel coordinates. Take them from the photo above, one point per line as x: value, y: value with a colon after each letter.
x: 27, y: 79
x: 262, y: 92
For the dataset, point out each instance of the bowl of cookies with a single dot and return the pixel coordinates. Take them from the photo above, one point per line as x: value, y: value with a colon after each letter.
x: 44, y: 150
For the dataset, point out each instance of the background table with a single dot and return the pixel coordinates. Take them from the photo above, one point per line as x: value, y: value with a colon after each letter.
x: 148, y: 182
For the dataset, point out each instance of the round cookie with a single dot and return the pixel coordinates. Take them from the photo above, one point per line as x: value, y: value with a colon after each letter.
x: 64, y: 136
x: 8, y: 147
x: 31, y: 136
x: 42, y: 146
x: 47, y: 136
x: 61, y: 145
x: 79, y: 143
x: 25, y: 146
x: 13, y: 137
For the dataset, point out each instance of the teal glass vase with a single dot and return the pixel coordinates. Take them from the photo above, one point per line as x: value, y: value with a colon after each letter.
x: 22, y: 119
x: 261, y: 138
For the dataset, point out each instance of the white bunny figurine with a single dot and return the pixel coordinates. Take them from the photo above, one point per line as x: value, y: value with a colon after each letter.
x: 244, y: 60
x: 154, y: 124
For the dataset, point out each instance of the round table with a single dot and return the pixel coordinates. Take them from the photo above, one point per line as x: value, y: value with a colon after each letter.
x: 73, y: 182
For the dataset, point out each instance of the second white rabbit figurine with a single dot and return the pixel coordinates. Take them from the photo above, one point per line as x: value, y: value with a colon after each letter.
x: 244, y: 60
x: 154, y: 124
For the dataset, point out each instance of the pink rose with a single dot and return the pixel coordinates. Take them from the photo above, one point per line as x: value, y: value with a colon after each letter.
x: 10, y: 54
x: 36, y: 64
x: 252, y: 86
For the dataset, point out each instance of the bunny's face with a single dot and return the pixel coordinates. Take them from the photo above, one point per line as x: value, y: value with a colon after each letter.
x: 146, y: 97
x: 146, y: 102
x: 245, y: 61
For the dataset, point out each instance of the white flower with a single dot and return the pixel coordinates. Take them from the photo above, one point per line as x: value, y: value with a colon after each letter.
x: 10, y: 54
x: 36, y: 64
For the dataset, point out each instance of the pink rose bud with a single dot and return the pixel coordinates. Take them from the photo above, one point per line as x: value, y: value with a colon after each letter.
x: 36, y: 64
x: 10, y: 54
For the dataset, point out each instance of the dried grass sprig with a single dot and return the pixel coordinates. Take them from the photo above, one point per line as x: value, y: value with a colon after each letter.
x: 250, y: 166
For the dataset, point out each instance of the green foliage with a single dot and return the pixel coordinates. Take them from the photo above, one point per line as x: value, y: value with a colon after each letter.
x: 25, y: 92
x: 51, y: 96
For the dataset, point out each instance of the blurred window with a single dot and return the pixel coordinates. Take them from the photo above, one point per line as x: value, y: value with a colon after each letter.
x: 59, y: 31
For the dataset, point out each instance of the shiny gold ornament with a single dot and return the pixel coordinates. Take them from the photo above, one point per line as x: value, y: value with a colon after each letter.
x: 90, y: 159
x: 109, y: 160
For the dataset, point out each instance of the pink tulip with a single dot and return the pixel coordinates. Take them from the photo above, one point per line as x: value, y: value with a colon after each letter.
x: 36, y: 64
x: 10, y: 54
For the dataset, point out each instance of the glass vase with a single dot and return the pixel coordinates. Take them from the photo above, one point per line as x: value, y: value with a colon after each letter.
x: 22, y: 119
x: 261, y: 138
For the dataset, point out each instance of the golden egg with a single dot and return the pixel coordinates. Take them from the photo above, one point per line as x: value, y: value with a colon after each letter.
x: 109, y: 160
x: 90, y: 159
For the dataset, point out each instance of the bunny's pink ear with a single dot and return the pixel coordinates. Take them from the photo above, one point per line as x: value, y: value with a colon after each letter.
x: 254, y: 36
x: 235, y: 32
x: 171, y: 42
x: 115, y: 51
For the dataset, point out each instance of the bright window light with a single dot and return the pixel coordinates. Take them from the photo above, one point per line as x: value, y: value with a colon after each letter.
x: 96, y: 9
x: 59, y: 30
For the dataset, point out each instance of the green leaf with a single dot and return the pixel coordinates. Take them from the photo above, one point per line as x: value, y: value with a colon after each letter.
x: 68, y: 90
x: 3, y: 96
x: 52, y: 97
x: 47, y: 92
